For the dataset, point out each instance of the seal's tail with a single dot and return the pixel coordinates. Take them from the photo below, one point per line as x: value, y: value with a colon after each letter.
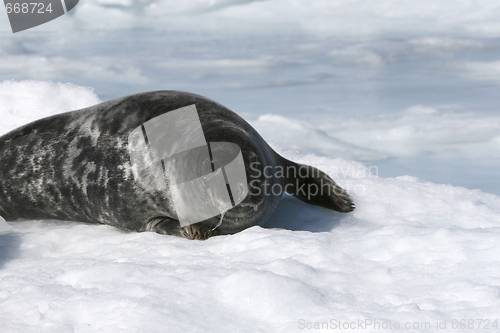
x: 314, y: 187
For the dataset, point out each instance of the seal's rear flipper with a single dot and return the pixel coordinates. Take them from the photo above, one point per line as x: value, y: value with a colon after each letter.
x: 314, y: 187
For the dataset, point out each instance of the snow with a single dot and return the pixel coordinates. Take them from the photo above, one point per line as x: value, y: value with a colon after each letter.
x: 25, y: 101
x: 413, y: 252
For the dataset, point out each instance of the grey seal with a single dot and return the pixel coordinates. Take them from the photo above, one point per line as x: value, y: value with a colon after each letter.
x: 76, y: 166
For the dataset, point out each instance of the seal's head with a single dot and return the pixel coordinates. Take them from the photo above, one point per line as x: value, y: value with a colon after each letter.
x: 208, y: 183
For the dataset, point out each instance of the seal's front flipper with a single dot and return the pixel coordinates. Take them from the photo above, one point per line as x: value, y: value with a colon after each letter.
x: 198, y: 231
x: 168, y: 226
x: 315, y: 187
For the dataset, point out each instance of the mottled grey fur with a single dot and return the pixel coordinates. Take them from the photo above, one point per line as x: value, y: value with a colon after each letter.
x: 76, y: 166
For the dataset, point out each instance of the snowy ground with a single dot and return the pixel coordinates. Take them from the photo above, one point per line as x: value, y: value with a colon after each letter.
x: 375, y: 93
x: 412, y: 253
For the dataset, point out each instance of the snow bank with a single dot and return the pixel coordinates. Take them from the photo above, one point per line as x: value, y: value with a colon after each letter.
x: 419, y: 129
x: 305, y: 137
x: 25, y: 101
x: 412, y: 253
